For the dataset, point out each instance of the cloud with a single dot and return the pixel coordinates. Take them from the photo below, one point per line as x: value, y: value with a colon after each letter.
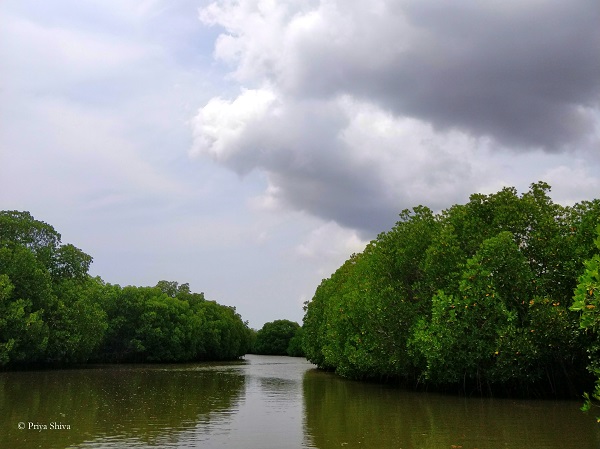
x: 523, y: 74
x: 221, y: 125
x: 570, y: 183
x: 330, y: 241
x: 357, y: 110
x: 338, y: 159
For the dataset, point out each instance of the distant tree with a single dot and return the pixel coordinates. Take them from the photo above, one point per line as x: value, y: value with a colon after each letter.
x: 294, y: 348
x: 168, y: 323
x: 274, y: 337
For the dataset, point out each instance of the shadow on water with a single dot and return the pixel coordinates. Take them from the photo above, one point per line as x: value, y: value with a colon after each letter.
x: 113, y: 406
x: 347, y: 414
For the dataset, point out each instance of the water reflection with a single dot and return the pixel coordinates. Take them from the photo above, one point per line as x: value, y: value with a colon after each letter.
x: 272, y: 413
x: 267, y: 402
x: 341, y: 413
x: 107, y: 406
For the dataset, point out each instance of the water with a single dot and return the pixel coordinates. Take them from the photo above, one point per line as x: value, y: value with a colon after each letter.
x: 266, y: 402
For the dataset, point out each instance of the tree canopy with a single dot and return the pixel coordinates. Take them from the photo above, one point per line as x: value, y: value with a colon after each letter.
x: 279, y: 337
x: 52, y: 312
x: 476, y: 297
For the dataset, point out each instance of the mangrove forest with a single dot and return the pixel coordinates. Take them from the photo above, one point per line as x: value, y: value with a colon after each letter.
x: 498, y: 295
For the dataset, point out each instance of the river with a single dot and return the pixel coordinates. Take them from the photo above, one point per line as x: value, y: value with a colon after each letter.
x: 266, y: 402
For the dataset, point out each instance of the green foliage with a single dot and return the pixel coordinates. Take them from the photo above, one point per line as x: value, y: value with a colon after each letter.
x: 315, y: 324
x: 23, y: 334
x: 53, y: 312
x: 168, y: 323
x: 294, y: 348
x: 20, y: 229
x: 587, y: 293
x: 50, y: 314
x: 587, y: 302
x: 275, y: 336
x: 78, y: 323
x: 476, y: 297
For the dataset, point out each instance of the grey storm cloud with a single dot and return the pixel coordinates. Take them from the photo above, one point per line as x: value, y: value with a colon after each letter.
x: 525, y: 78
x: 356, y: 110
x: 525, y: 74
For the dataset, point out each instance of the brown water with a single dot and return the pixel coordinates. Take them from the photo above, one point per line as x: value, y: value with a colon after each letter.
x: 266, y: 402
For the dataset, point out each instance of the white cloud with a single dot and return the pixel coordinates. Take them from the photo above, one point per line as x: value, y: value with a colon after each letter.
x: 330, y: 240
x: 572, y: 184
x: 264, y: 19
x: 269, y: 200
x: 220, y: 127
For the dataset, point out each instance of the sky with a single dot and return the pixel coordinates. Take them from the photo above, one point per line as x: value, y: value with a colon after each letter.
x: 249, y: 147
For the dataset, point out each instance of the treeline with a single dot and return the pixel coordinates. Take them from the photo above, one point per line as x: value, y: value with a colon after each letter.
x: 52, y: 312
x: 475, y: 298
x: 279, y: 337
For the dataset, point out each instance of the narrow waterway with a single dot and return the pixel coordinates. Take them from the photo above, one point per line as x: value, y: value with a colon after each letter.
x: 266, y: 402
